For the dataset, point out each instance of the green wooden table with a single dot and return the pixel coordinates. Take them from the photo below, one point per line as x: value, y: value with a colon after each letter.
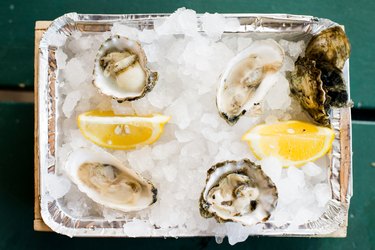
x: 17, y: 20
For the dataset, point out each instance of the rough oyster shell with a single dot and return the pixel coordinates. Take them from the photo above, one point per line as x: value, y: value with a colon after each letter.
x: 238, y: 191
x: 318, y: 87
x: 330, y: 45
x: 247, y: 79
x: 108, y: 182
x: 317, y: 81
x: 121, y: 71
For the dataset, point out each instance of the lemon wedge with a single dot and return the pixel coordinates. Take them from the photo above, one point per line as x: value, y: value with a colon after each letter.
x: 293, y: 142
x: 108, y: 130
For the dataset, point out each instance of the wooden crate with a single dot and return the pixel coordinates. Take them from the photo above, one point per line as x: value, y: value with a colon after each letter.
x: 39, y: 225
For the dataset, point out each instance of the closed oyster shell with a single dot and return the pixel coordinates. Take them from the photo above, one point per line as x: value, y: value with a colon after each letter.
x: 318, y: 87
x: 330, y: 45
x: 238, y: 191
x: 317, y: 81
x: 334, y: 85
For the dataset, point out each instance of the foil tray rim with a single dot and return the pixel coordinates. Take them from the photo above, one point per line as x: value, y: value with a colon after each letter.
x: 58, y: 220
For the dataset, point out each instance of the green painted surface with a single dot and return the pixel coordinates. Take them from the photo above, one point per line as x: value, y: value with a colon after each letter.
x: 17, y: 18
x: 16, y: 199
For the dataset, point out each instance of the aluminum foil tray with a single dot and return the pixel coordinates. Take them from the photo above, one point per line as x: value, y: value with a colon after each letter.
x: 332, y: 223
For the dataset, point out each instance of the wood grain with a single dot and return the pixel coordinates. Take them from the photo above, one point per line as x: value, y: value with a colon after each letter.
x: 346, y: 153
x: 39, y: 225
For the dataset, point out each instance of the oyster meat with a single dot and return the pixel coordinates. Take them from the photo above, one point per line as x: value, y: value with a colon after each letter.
x: 247, y: 79
x: 121, y: 70
x: 238, y: 191
x: 317, y: 81
x: 108, y: 182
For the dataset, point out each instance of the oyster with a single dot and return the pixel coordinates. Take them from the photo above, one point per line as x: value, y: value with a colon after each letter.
x: 317, y: 81
x: 331, y: 45
x: 306, y: 85
x: 247, y: 79
x: 108, y: 182
x: 238, y: 191
x: 121, y: 71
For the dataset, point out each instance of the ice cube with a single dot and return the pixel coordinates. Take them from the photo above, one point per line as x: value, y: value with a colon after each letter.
x: 179, y: 113
x: 272, y: 167
x: 302, y: 216
x: 74, y: 72
x: 232, y: 23
x: 212, y: 148
x: 137, y: 228
x: 124, y: 108
x: 184, y: 135
x: 170, y: 172
x: 194, y: 149
x: 80, y: 43
x: 166, y: 150
x: 147, y: 36
x: 278, y: 96
x: 296, y: 49
x: 311, y: 169
x: 187, y: 21
x: 280, y: 217
x: 162, y: 95
x: 141, y: 159
x: 236, y: 232
x: 122, y: 29
x: 57, y: 186
x: 239, y: 148
x: 175, y: 50
x: 60, y: 58
x: 219, y: 239
x: 70, y: 102
x: 322, y: 193
x: 210, y: 119
x: 296, y: 176
x: 213, y: 25
x: 143, y: 107
x: 243, y: 43
x: 271, y: 119
x: 288, y: 64
x: 182, y: 21
x: 212, y: 135
x: 230, y: 42
x: 288, y: 190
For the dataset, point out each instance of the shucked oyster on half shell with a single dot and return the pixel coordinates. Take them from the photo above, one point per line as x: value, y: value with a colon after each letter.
x: 121, y: 71
x: 317, y: 81
x: 238, y: 191
x: 108, y: 182
x: 247, y: 79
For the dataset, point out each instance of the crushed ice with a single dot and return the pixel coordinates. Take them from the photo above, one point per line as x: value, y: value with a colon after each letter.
x: 189, y: 63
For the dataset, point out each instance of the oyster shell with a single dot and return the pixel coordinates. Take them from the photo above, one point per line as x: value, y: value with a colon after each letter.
x: 247, y: 79
x: 318, y: 87
x: 330, y: 45
x: 307, y: 87
x: 108, y: 182
x: 317, y: 81
x: 121, y: 71
x: 238, y: 191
